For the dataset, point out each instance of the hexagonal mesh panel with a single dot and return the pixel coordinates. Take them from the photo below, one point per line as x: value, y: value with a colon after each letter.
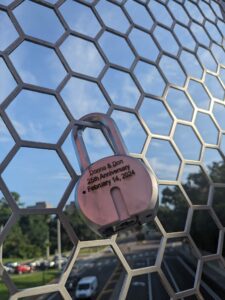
x: 157, y: 67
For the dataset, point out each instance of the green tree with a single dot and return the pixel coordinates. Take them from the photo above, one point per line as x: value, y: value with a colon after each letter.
x: 173, y: 211
x: 15, y: 244
x: 5, y: 211
x: 82, y: 230
x: 197, y: 187
x: 204, y: 230
x: 35, y: 229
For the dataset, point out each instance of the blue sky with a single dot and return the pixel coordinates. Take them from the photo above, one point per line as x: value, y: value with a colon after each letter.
x: 39, y: 175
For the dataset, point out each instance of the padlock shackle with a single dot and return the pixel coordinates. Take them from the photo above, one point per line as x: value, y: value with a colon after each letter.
x: 108, y: 128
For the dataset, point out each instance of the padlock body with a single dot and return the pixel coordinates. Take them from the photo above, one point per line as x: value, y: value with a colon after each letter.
x: 116, y: 193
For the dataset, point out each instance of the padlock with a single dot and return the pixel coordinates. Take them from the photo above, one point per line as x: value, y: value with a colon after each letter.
x: 116, y: 192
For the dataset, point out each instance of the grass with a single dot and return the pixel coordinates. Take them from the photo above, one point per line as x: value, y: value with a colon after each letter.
x: 4, y: 295
x: 92, y: 250
x: 19, y: 260
x: 37, y: 278
x: 28, y: 280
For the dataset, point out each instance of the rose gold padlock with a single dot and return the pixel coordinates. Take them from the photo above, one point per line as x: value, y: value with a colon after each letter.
x: 116, y: 192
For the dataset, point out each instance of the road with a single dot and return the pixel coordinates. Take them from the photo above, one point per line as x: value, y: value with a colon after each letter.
x: 179, y: 271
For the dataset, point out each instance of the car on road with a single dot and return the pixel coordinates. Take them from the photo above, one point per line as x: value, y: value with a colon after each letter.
x: 86, y: 287
x: 71, y: 282
x: 60, y: 260
x: 13, y: 264
x: 9, y: 269
x: 23, y: 269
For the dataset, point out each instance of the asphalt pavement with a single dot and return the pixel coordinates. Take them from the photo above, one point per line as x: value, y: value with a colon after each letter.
x: 178, y: 270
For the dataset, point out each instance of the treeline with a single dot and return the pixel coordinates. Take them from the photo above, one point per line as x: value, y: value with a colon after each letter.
x: 173, y: 211
x: 33, y: 234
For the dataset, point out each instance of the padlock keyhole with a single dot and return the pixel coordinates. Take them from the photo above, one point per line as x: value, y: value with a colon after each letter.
x: 119, y: 203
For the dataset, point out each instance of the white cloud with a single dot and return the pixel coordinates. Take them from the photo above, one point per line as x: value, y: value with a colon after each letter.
x: 83, y: 97
x: 128, y: 127
x: 82, y: 56
x: 5, y: 136
x: 7, y: 82
x: 164, y: 171
x: 60, y: 176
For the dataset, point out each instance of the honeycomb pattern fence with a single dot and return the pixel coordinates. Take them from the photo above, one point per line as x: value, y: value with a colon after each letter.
x: 170, y: 53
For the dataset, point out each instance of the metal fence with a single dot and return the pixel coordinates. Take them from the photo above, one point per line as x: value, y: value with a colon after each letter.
x: 167, y: 61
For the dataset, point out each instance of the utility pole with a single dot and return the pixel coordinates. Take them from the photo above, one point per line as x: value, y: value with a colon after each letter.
x: 1, y: 246
x: 59, y: 244
x: 47, y: 248
x: 48, y: 240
